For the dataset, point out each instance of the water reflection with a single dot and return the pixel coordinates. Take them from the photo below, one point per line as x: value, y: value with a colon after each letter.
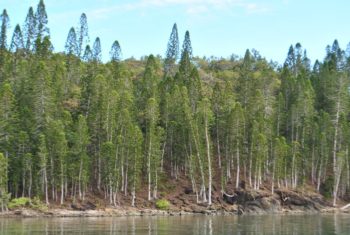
x: 203, y: 225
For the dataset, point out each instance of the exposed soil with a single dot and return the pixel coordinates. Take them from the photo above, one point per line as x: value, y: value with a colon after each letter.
x: 183, y: 201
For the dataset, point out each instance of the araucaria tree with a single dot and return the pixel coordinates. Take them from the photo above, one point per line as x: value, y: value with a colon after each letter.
x: 74, y: 126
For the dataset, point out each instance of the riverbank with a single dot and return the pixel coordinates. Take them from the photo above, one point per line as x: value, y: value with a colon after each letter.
x: 240, y: 202
x: 115, y: 212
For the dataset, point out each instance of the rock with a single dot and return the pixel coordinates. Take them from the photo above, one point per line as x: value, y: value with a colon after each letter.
x: 230, y: 199
x: 83, y: 207
x: 188, y: 190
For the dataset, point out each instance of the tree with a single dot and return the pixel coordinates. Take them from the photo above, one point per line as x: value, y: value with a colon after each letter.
x: 153, y: 141
x: 193, y: 127
x: 96, y: 50
x: 236, y: 126
x: 337, y: 95
x: 4, y: 196
x: 29, y: 30
x: 83, y: 34
x: 172, y: 52
x: 206, y: 117
x: 135, y: 162
x: 279, y: 162
x: 41, y: 21
x: 88, y: 56
x: 17, y: 40
x: 57, y: 147
x: 7, y: 118
x: 185, y: 68
x: 71, y: 43
x: 186, y: 46
x: 42, y: 97
x: 115, y: 52
x: 5, y: 24
x: 81, y: 141
x: 43, y: 163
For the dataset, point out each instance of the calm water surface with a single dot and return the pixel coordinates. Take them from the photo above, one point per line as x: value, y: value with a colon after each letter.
x: 203, y: 225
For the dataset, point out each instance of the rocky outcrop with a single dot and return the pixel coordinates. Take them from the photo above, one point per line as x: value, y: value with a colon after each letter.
x: 260, y: 202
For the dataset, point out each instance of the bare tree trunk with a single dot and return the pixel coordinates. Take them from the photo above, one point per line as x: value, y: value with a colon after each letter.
x: 334, y: 154
x: 30, y: 183
x: 79, y: 178
x: 238, y: 163
x: 46, y: 187
x: 149, y: 168
x: 62, y: 185
x: 99, y: 172
x: 209, y: 162
x: 155, y: 186
x: 218, y: 144
x: 133, y: 194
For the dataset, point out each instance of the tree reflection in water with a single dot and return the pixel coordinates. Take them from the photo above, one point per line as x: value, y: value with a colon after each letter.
x: 201, y: 225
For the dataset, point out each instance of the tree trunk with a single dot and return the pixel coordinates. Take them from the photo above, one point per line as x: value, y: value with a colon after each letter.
x: 79, y: 178
x: 149, y: 168
x: 62, y: 185
x: 238, y: 167
x: 209, y: 162
x: 334, y: 154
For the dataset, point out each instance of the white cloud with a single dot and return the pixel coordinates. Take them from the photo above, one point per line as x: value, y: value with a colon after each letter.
x: 192, y: 7
x: 254, y: 8
x: 195, y: 10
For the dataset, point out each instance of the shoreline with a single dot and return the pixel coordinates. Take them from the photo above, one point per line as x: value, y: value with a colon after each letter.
x: 241, y: 202
x: 128, y: 212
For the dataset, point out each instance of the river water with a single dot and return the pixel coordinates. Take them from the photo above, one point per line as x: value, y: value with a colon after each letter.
x: 182, y: 225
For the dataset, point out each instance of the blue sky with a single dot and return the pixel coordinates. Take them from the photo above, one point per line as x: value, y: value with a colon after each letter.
x: 217, y: 27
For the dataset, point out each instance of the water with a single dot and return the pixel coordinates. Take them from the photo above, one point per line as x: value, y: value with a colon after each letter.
x: 201, y: 225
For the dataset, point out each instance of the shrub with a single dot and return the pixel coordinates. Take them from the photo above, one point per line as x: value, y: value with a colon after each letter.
x: 26, y: 202
x: 162, y: 204
x: 326, y: 188
x: 37, y: 204
x: 19, y: 202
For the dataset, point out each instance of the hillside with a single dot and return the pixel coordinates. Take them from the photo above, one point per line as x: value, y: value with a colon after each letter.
x: 74, y: 128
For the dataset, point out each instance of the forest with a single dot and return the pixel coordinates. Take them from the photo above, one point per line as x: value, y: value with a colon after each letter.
x: 73, y: 126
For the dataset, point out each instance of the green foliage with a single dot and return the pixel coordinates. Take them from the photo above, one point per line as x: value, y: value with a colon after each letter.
x: 162, y: 204
x: 19, y: 202
x: 72, y: 125
x: 25, y: 202
x: 327, y: 187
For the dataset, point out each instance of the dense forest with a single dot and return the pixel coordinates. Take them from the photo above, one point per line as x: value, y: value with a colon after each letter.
x: 72, y: 125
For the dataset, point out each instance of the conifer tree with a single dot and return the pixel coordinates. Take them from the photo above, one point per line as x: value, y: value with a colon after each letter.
x: 5, y: 24
x: 71, y: 47
x: 205, y: 120
x: 116, y: 52
x: 82, y: 34
x: 4, y: 196
x: 57, y: 146
x: 42, y: 97
x: 17, y: 40
x: 81, y: 140
x: 187, y: 46
x: 96, y: 50
x: 41, y: 21
x: 136, y: 161
x: 185, y: 68
x: 172, y: 52
x: 87, y: 54
x: 7, y: 118
x: 153, y: 138
x: 43, y: 164
x: 29, y: 30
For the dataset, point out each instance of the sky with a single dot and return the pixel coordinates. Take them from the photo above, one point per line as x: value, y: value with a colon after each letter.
x: 218, y: 28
